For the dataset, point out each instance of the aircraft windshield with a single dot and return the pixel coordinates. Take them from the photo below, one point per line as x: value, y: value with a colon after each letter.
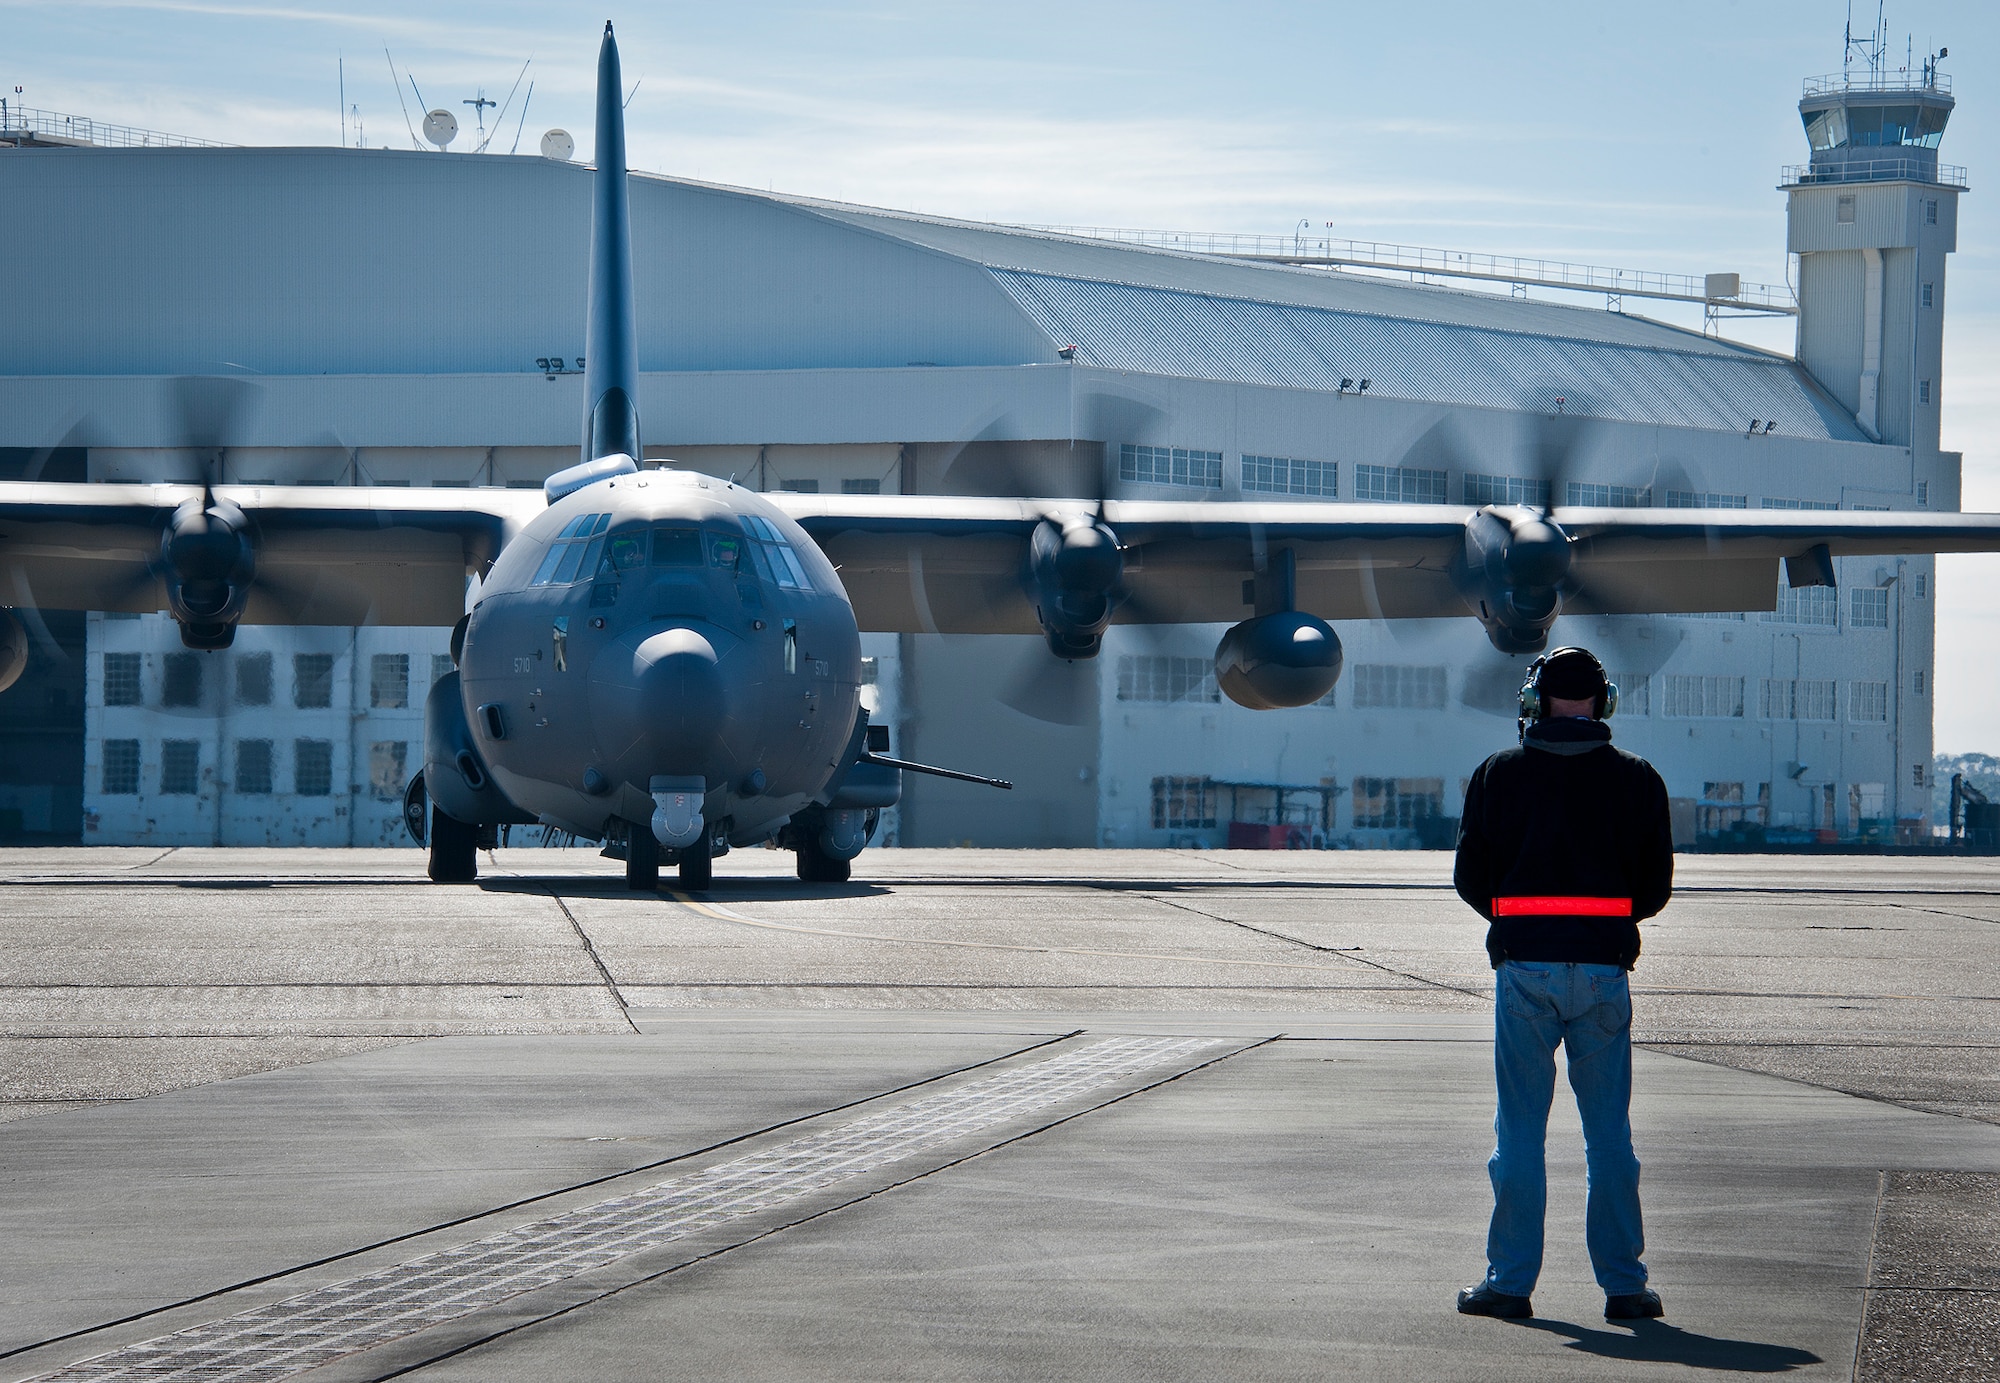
x: 676, y: 547
x: 776, y: 561
x: 574, y: 550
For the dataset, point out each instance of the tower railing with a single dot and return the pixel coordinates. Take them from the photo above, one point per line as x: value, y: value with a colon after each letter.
x: 1904, y: 169
x: 1901, y: 80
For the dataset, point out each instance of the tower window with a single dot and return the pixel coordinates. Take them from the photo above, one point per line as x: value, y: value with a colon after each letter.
x: 1927, y: 295
x: 1930, y: 213
x: 1844, y: 212
x: 1923, y: 492
x: 1923, y: 391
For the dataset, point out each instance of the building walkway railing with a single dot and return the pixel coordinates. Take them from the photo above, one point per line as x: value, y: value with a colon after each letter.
x: 1877, y: 170
x: 1305, y: 249
x: 24, y: 124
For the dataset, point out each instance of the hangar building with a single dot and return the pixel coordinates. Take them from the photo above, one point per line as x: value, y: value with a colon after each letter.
x: 372, y: 316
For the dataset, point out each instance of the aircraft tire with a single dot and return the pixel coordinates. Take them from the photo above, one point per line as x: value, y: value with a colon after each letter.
x: 818, y: 867
x: 697, y: 869
x: 642, y: 859
x: 454, y: 847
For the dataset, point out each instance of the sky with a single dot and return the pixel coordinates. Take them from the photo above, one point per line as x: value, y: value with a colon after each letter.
x: 1647, y: 137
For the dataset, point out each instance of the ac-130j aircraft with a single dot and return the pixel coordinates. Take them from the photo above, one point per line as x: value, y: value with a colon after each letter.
x: 670, y: 663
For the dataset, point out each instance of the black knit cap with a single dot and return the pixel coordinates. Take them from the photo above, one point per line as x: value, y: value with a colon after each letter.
x: 1573, y: 674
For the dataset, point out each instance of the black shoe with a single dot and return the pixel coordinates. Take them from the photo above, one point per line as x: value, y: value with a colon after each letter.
x: 1483, y: 1300
x: 1642, y: 1305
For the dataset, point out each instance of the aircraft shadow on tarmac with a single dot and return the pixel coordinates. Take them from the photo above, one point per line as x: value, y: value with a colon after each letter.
x: 1659, y: 1343
x: 724, y: 890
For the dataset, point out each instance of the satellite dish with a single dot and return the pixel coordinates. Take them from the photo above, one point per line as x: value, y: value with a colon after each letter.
x: 440, y: 127
x: 557, y: 144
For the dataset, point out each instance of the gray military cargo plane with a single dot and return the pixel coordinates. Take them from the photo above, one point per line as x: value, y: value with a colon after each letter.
x: 670, y: 663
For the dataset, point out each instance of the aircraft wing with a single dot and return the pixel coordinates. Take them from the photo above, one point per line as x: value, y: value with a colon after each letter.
x: 324, y: 555
x: 944, y: 564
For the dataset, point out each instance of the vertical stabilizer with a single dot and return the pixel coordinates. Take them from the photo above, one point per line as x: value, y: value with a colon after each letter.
x: 611, y: 367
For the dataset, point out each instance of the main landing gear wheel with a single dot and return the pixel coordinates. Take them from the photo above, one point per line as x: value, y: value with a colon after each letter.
x: 454, y: 850
x: 697, y: 868
x: 642, y: 858
x: 818, y: 867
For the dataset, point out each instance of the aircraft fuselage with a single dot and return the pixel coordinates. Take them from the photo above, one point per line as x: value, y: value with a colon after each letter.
x: 661, y: 627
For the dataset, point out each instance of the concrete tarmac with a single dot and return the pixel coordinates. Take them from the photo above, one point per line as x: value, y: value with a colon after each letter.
x: 976, y: 1115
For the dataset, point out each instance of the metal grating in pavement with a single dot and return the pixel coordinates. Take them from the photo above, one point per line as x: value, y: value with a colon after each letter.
x: 289, y: 1337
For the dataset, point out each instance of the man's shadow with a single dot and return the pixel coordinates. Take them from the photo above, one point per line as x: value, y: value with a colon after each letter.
x: 1658, y: 1342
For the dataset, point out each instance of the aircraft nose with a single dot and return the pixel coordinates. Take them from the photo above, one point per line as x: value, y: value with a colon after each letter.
x: 681, y: 689
x: 661, y: 700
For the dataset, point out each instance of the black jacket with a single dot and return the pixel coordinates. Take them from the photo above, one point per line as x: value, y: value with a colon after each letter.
x: 1565, y: 816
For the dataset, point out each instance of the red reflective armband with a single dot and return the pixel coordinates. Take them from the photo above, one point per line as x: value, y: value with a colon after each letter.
x: 1562, y: 907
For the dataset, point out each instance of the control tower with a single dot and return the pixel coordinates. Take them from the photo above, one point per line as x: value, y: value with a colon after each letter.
x: 1871, y: 218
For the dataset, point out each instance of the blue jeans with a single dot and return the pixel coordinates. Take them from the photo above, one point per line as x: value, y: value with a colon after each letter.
x: 1587, y: 1009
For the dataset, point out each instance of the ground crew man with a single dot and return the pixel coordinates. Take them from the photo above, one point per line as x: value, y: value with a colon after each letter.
x: 1564, y: 846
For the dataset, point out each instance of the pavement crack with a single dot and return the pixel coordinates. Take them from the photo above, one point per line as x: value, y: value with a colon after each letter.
x: 590, y: 949
x: 1345, y: 953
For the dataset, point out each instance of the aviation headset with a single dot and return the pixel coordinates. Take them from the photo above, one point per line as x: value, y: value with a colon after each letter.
x: 1535, y: 702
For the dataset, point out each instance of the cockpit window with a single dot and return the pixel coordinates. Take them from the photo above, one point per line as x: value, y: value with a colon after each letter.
x: 773, y: 551
x: 725, y: 550
x: 624, y: 552
x: 574, y: 550
x: 676, y: 547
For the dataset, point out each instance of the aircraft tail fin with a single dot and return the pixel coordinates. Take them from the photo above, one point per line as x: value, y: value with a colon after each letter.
x: 611, y: 366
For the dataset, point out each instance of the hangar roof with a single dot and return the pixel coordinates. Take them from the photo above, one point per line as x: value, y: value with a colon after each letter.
x: 1161, y: 312
x: 321, y: 261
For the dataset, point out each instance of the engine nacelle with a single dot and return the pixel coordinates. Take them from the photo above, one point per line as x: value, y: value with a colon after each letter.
x: 13, y: 648
x: 1076, y: 568
x: 1288, y: 658
x: 1511, y: 573
x: 210, y: 564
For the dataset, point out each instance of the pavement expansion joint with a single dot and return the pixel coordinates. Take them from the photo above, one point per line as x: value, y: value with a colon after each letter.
x: 304, y: 1332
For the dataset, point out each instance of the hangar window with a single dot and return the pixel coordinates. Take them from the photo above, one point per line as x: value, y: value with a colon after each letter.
x: 871, y: 485
x: 121, y: 767
x: 1816, y: 606
x: 253, y: 767
x: 1284, y: 475
x: 1395, y: 686
x: 1705, y: 499
x: 1607, y: 496
x: 573, y: 555
x: 1184, y: 804
x: 1769, y: 502
x: 1693, y: 695
x: 312, y: 680
x: 389, y: 681
x: 121, y: 679
x: 312, y: 768
x: 181, y: 684
x: 1399, y: 485
x: 1635, y: 694
x: 1868, y: 701
x: 180, y: 767
x: 1505, y: 489
x: 440, y: 665
x: 1396, y: 804
x: 1868, y: 607
x: 253, y: 679
x: 1721, y: 806
x: 1149, y: 678
x: 1798, y: 698
x: 1170, y: 466
x: 386, y: 762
